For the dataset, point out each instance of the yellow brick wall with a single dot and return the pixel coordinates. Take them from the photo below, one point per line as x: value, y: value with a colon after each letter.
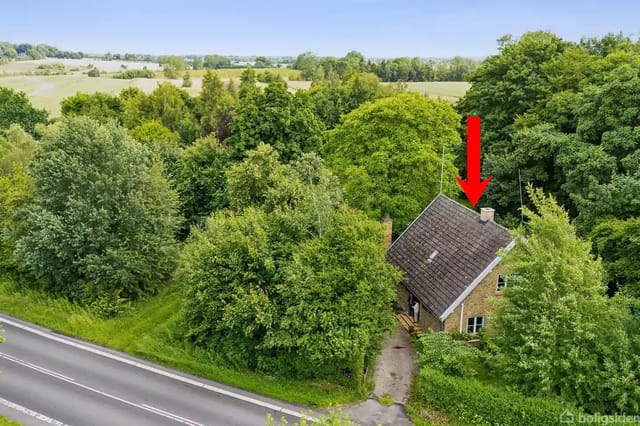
x: 426, y: 320
x: 402, y: 297
x: 476, y: 304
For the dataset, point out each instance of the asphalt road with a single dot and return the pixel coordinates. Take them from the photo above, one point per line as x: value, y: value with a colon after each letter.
x: 47, y: 378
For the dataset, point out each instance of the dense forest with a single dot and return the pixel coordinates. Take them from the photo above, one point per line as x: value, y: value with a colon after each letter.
x: 264, y: 204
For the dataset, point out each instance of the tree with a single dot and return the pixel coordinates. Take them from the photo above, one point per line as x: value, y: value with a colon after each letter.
x: 555, y: 327
x: 201, y: 181
x: 276, y: 117
x: 618, y: 243
x: 172, y: 65
x: 330, y: 100
x: 99, y: 106
x: 186, y: 80
x: 387, y: 154
x: 196, y: 63
x: 162, y: 142
x: 249, y: 182
x: 290, y: 281
x: 15, y: 108
x: 263, y: 62
x: 171, y: 106
x: 309, y: 66
x: 331, y: 318
x: 217, y: 105
x: 509, y: 84
x: 16, y: 152
x: 216, y: 62
x: 102, y: 219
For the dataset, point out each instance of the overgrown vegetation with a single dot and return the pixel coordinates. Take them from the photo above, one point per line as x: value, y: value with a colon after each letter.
x: 276, y: 307
x: 281, y: 269
x: 151, y: 329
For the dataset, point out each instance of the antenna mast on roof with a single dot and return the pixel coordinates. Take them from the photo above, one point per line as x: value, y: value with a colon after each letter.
x: 442, y: 169
x: 521, y: 204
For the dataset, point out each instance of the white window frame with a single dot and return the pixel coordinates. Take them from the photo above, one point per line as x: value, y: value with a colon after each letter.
x: 504, y: 280
x: 474, y: 324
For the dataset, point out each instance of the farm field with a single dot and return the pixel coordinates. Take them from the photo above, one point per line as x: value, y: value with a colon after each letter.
x: 446, y: 90
x: 48, y: 91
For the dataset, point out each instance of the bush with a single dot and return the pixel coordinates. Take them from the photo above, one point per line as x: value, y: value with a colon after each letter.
x: 129, y: 74
x: 472, y: 402
x: 109, y: 306
x: 442, y: 352
x: 94, y: 72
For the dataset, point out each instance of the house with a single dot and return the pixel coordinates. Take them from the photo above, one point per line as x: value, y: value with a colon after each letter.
x: 449, y: 256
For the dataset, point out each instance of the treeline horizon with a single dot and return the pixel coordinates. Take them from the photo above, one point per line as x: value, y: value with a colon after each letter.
x: 312, y: 66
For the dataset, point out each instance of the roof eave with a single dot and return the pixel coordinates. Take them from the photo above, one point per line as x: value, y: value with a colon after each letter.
x: 475, y: 282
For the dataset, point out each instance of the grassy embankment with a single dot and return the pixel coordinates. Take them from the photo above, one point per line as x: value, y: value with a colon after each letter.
x: 149, y: 331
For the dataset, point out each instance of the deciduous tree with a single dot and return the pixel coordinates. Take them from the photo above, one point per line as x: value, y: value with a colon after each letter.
x: 387, y: 154
x: 102, y: 219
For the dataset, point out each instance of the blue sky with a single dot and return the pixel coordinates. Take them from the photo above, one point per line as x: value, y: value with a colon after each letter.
x: 376, y: 28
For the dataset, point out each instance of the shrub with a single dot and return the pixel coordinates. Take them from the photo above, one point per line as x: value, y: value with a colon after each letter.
x: 440, y: 351
x: 130, y: 74
x: 472, y: 402
x: 94, y: 72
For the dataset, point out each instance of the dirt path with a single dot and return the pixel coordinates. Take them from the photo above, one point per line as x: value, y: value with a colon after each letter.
x: 395, y: 367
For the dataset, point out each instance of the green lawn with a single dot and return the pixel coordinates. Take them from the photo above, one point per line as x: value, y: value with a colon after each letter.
x: 149, y: 331
x: 6, y: 422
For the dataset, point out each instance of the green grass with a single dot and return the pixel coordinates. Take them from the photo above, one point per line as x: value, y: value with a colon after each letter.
x: 148, y: 331
x: 446, y: 90
x: 6, y: 422
x: 48, y: 91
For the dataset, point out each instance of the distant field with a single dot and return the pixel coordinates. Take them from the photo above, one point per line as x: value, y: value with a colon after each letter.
x: 48, y: 91
x: 17, y: 67
x: 446, y: 90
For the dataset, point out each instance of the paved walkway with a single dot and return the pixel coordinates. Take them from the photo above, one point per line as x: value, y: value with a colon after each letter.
x: 394, y: 371
x: 395, y: 367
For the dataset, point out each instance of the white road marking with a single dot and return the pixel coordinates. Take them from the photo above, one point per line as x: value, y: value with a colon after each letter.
x: 191, y: 422
x: 31, y: 413
x: 171, y: 416
x: 36, y: 367
x: 158, y: 371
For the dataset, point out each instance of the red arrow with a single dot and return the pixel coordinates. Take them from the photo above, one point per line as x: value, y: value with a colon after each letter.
x: 473, y: 187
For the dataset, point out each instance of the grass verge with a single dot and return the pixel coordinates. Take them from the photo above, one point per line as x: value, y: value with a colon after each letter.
x: 149, y: 331
x: 6, y: 422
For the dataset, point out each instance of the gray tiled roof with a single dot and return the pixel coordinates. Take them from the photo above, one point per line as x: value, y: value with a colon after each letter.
x: 465, y: 247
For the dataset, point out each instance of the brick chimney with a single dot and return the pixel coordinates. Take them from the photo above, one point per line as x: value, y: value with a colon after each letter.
x: 387, y: 235
x: 486, y: 214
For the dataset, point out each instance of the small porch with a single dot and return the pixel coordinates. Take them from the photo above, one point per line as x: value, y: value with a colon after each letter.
x: 408, y: 324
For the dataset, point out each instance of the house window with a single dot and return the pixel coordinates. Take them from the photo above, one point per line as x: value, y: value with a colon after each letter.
x: 474, y: 324
x: 502, y: 283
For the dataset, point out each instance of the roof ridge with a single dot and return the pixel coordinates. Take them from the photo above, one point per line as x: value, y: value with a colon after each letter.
x: 474, y: 212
